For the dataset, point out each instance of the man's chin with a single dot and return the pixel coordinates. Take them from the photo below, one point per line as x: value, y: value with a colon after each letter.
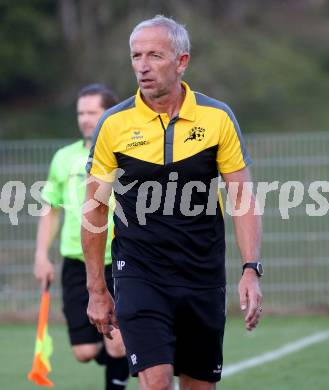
x: 151, y: 93
x: 146, y: 90
x: 88, y: 138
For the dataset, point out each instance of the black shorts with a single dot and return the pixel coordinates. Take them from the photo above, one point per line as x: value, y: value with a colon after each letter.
x: 172, y: 325
x: 75, y: 301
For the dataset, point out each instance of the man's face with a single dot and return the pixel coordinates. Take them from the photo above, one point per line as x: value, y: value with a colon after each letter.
x: 156, y: 66
x: 89, y: 110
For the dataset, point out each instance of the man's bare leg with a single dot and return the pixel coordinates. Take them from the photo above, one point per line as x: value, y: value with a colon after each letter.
x: 188, y: 383
x: 157, y: 378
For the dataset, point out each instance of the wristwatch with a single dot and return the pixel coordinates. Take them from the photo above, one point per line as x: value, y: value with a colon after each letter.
x: 255, y: 266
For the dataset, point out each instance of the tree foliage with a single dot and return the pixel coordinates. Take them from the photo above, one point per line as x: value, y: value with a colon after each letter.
x: 267, y: 58
x: 30, y: 41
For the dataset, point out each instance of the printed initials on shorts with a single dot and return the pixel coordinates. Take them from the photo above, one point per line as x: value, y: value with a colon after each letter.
x: 120, y: 264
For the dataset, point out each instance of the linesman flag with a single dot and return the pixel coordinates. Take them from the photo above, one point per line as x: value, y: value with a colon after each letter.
x: 43, y: 346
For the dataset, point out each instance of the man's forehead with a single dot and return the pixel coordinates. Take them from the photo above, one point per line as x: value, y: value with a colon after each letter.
x: 91, y: 101
x: 150, y: 34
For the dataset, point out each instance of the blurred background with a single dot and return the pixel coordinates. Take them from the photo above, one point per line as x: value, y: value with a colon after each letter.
x: 268, y: 59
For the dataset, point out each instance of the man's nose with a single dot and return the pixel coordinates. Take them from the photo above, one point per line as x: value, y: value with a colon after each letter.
x: 144, y: 66
x: 84, y: 119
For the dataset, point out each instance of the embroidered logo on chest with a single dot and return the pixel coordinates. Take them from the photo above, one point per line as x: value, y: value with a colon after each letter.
x: 196, y: 134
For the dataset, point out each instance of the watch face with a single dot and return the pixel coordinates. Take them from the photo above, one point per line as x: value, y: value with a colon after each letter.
x: 260, y: 269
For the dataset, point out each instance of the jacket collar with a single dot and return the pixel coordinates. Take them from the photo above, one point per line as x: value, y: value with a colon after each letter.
x: 187, y: 111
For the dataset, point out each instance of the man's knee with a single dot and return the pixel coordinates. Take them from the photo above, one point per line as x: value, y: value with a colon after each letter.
x: 188, y: 383
x: 156, y: 378
x: 86, y: 352
x: 115, y: 348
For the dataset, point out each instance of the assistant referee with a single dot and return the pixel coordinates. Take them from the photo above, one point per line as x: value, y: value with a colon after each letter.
x: 65, y: 189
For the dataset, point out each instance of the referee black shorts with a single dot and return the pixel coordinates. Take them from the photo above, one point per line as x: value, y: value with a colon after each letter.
x: 173, y: 325
x: 75, y: 301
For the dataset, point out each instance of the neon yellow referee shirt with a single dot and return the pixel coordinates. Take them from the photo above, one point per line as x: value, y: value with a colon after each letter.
x: 66, y: 188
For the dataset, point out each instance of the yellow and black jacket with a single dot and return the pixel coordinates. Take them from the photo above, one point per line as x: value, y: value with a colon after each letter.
x: 171, y: 228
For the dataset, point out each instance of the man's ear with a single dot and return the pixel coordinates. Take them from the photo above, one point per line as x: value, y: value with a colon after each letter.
x: 183, y: 61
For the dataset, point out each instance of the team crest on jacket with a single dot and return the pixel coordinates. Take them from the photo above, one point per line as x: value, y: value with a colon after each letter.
x: 196, y: 134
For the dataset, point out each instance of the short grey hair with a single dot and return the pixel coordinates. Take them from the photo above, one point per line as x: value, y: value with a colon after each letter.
x: 177, y: 32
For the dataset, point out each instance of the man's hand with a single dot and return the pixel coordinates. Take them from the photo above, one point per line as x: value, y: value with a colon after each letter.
x: 250, y: 298
x: 101, y: 312
x: 44, y: 271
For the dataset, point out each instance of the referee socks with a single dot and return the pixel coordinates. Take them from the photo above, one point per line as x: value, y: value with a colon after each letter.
x: 116, y: 373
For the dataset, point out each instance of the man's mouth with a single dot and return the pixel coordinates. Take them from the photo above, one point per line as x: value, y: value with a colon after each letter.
x: 146, y: 81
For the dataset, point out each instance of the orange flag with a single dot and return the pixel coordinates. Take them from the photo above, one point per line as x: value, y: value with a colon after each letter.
x: 43, y: 346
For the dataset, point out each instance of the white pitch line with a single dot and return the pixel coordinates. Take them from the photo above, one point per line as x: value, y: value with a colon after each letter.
x: 276, y: 354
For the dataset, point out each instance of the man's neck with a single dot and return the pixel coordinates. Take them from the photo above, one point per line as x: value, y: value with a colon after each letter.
x: 170, y: 103
x: 87, y: 143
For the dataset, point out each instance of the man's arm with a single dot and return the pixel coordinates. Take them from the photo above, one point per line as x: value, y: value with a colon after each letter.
x: 248, y: 232
x: 93, y: 237
x: 48, y: 227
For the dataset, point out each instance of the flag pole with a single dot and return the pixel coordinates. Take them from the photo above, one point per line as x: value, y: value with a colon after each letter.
x: 43, y: 345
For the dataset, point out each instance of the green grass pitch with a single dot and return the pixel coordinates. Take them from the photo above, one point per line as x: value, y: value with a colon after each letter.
x: 305, y: 369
